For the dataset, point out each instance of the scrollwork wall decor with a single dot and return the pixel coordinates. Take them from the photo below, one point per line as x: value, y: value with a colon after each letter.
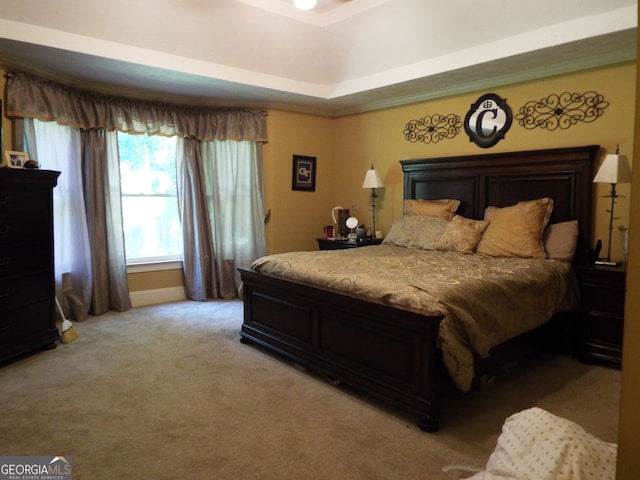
x: 562, y: 110
x: 433, y: 128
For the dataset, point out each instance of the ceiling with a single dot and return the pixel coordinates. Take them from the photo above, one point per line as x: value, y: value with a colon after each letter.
x: 343, y: 57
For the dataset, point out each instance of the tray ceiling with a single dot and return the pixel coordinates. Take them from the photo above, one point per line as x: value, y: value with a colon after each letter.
x: 344, y: 57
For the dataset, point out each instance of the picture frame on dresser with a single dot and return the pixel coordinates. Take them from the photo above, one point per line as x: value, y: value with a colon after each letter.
x: 15, y: 159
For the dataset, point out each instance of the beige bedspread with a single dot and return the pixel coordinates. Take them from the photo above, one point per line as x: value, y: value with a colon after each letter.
x: 485, y: 301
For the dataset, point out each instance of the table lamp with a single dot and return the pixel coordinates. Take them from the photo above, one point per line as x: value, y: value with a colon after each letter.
x: 373, y: 180
x: 614, y: 169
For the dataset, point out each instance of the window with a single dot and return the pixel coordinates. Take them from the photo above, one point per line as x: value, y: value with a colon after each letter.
x: 149, y: 198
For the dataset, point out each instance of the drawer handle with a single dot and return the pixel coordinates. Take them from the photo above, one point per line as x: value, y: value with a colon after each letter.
x: 5, y: 261
x: 5, y: 293
x: 5, y: 230
x: 4, y: 200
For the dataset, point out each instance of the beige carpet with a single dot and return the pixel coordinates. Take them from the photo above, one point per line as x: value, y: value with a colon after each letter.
x: 169, y: 392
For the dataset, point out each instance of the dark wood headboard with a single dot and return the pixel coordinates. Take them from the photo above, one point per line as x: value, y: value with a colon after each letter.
x: 502, y: 179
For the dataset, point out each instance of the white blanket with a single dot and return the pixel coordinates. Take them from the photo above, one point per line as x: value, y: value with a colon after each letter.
x: 537, y: 445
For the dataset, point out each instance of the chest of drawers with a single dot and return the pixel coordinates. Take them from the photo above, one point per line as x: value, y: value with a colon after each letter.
x: 27, y: 289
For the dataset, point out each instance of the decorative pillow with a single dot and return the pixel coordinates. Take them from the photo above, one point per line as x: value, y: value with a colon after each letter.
x: 462, y: 235
x: 444, y: 208
x: 516, y: 231
x: 417, y: 231
x: 560, y: 240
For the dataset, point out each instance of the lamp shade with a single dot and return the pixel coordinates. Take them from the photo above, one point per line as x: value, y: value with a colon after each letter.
x: 614, y: 169
x: 372, y: 179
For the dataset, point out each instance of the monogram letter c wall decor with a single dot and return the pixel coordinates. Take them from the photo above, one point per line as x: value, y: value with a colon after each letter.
x: 488, y: 120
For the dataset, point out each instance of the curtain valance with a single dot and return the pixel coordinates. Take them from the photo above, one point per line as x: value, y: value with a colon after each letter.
x: 28, y: 96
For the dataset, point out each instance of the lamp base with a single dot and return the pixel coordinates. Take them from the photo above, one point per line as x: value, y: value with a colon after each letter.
x: 606, y: 263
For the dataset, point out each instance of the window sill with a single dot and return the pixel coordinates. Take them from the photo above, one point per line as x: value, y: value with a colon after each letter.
x: 154, y: 266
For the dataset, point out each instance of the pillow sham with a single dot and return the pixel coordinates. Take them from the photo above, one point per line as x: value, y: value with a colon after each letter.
x: 561, y: 239
x: 416, y: 231
x: 516, y: 231
x: 462, y: 235
x: 444, y: 208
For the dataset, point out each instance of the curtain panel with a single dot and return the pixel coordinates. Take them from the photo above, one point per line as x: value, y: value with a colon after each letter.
x: 28, y: 96
x: 199, y: 262
x: 103, y: 204
x: 221, y: 204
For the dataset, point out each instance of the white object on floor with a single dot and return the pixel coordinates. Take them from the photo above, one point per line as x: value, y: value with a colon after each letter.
x: 535, y: 444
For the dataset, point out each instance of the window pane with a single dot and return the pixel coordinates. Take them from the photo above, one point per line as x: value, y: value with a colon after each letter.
x: 151, y: 227
x: 149, y: 202
x: 147, y: 164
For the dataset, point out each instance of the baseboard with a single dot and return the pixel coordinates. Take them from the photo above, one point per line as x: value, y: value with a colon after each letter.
x: 158, y: 295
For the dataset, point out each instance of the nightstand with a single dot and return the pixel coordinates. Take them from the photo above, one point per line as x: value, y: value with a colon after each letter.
x: 601, y: 322
x: 326, y: 244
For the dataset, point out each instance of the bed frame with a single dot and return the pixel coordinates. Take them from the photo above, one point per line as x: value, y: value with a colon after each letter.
x: 391, y: 353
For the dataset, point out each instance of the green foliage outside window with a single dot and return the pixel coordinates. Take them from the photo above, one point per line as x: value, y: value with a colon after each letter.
x: 149, y: 198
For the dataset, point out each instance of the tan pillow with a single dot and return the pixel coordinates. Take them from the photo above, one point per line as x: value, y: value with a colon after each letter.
x: 516, y: 231
x: 416, y: 231
x: 462, y: 235
x: 444, y: 208
x: 560, y: 240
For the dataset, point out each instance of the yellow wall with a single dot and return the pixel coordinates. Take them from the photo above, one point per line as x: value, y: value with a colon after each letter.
x: 628, y: 437
x: 141, y: 281
x: 378, y: 137
x: 297, y: 216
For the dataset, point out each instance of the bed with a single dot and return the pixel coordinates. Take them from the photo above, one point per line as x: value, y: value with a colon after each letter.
x: 394, y: 349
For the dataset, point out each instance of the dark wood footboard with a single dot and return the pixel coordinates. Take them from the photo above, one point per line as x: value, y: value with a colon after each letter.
x: 386, y: 352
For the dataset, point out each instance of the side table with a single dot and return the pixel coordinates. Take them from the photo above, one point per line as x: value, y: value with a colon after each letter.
x: 602, y: 319
x: 340, y: 244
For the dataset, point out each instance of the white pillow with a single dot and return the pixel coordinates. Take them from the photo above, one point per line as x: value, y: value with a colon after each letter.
x: 561, y: 239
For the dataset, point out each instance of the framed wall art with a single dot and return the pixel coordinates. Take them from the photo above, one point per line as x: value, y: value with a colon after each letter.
x: 304, y: 173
